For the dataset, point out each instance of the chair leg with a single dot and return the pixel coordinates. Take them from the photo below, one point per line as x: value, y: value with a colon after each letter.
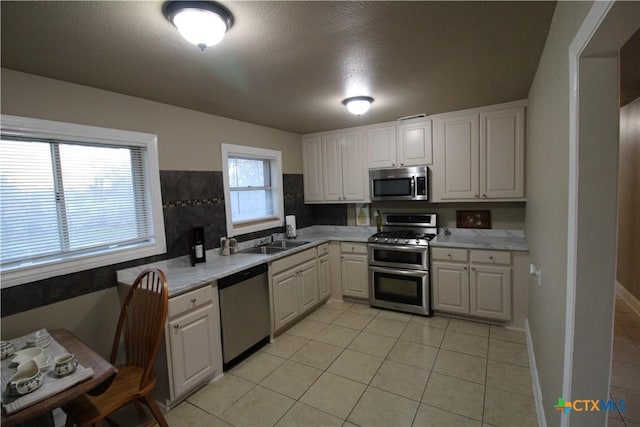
x: 155, y: 410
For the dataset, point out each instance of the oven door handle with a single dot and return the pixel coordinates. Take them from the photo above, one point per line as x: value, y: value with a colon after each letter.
x: 398, y: 248
x: 414, y: 273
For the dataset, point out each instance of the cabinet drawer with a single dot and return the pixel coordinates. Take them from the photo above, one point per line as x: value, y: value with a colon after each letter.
x: 292, y: 260
x: 323, y: 249
x: 449, y: 254
x: 190, y: 300
x: 491, y: 257
x: 353, y: 248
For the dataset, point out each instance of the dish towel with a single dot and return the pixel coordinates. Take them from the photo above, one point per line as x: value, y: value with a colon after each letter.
x: 52, y: 383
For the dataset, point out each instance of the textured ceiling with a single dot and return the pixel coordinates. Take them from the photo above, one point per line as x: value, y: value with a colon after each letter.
x: 288, y: 65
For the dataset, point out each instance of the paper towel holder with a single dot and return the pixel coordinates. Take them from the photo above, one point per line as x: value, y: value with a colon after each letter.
x: 290, y: 226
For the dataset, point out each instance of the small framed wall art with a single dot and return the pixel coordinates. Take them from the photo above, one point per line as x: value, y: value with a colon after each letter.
x: 473, y: 219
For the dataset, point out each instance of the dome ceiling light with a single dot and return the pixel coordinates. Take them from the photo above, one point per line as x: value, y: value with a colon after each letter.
x: 202, y: 23
x: 358, y: 104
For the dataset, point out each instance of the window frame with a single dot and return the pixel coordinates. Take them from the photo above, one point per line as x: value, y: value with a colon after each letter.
x: 275, y: 158
x: 70, y: 132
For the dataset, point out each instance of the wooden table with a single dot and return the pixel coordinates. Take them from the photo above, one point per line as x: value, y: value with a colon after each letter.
x: 103, y: 374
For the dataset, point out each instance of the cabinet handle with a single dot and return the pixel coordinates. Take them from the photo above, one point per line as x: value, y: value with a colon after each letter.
x: 473, y: 269
x: 484, y: 195
x: 477, y: 196
x: 176, y: 326
x: 193, y: 301
x: 401, y: 164
x: 491, y: 257
x: 393, y: 164
x: 449, y: 255
x: 465, y: 268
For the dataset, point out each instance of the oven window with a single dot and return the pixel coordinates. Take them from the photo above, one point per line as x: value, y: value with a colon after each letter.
x: 398, y: 288
x: 392, y: 187
x: 398, y: 257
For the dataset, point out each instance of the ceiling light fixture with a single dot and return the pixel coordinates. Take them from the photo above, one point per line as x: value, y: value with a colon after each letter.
x: 358, y: 104
x: 202, y: 23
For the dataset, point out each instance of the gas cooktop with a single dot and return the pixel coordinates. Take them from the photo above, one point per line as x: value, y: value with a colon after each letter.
x: 406, y: 229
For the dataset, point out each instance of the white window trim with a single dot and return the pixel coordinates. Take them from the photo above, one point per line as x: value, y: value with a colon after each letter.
x: 74, y: 132
x: 229, y: 150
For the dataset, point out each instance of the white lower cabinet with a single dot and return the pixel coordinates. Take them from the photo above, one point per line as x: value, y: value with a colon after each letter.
x: 472, y: 282
x: 193, y: 351
x: 324, y: 270
x: 354, y: 266
x: 295, y: 287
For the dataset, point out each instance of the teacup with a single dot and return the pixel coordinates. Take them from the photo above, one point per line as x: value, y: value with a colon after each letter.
x: 7, y: 349
x: 26, y: 379
x: 66, y: 364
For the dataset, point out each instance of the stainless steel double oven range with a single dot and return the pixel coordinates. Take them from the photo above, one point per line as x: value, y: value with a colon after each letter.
x: 399, y: 263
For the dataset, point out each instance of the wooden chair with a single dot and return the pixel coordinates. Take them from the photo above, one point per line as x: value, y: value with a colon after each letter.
x: 141, y: 324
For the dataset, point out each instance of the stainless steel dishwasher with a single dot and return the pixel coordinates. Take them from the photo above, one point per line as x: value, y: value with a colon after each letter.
x: 244, y: 313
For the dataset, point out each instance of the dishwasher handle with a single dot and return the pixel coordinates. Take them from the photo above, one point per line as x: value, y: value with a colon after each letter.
x: 241, y: 276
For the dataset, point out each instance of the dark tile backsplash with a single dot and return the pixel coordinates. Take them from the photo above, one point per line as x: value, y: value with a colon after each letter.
x: 189, y: 199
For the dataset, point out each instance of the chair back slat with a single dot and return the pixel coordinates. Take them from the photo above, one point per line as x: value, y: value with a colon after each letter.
x: 142, y: 321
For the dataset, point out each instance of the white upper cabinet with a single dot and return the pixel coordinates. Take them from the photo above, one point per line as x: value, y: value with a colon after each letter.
x: 334, y: 167
x: 407, y: 144
x: 457, y: 158
x: 381, y: 146
x: 479, y: 155
x: 502, y: 148
x: 312, y: 167
x: 415, y: 143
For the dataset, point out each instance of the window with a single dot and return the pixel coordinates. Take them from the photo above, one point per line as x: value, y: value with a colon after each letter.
x: 75, y: 197
x: 253, y: 185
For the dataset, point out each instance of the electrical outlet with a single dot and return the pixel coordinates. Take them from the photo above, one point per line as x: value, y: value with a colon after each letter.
x: 536, y: 271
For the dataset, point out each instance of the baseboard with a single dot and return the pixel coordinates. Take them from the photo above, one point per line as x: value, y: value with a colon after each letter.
x: 537, y: 391
x: 629, y: 298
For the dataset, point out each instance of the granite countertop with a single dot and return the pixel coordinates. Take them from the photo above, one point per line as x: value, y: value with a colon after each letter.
x: 182, y: 277
x: 509, y: 240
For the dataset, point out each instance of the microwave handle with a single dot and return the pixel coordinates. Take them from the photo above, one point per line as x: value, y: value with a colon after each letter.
x: 413, y: 187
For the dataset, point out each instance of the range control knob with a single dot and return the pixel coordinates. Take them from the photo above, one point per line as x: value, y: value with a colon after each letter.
x: 395, y: 240
x: 385, y: 239
x: 417, y: 241
x: 406, y: 241
x: 375, y: 239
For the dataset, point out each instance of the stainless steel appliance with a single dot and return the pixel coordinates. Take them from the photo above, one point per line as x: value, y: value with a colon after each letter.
x: 245, y: 319
x: 399, y: 263
x: 406, y: 183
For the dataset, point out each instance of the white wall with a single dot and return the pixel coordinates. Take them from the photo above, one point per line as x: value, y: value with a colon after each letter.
x: 547, y: 168
x: 187, y: 139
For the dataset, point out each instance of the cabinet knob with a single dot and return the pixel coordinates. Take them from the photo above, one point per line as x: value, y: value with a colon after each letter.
x: 176, y: 326
x: 484, y: 195
x: 193, y: 301
x: 449, y: 255
x: 465, y: 268
x: 477, y: 196
x: 491, y: 257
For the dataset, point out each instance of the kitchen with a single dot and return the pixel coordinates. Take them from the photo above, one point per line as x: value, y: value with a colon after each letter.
x: 92, y: 295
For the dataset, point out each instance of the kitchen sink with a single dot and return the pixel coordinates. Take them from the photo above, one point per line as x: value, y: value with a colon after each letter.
x: 267, y: 250
x: 287, y: 244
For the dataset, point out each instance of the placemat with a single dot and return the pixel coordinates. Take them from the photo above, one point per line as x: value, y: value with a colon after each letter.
x: 52, y: 383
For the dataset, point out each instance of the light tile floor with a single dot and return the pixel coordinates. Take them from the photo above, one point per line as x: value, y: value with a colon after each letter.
x: 353, y: 365
x: 625, y: 372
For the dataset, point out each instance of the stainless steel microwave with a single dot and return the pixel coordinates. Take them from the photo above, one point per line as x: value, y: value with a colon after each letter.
x: 406, y: 183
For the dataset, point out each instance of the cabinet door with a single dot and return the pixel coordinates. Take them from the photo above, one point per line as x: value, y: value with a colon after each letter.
x: 381, y: 146
x: 450, y: 287
x: 491, y: 292
x: 196, y: 330
x: 352, y: 166
x: 312, y: 168
x: 308, y: 285
x: 502, y: 154
x: 457, y: 146
x: 324, y: 276
x: 331, y: 167
x: 355, y: 280
x: 415, y: 143
x: 285, y: 297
